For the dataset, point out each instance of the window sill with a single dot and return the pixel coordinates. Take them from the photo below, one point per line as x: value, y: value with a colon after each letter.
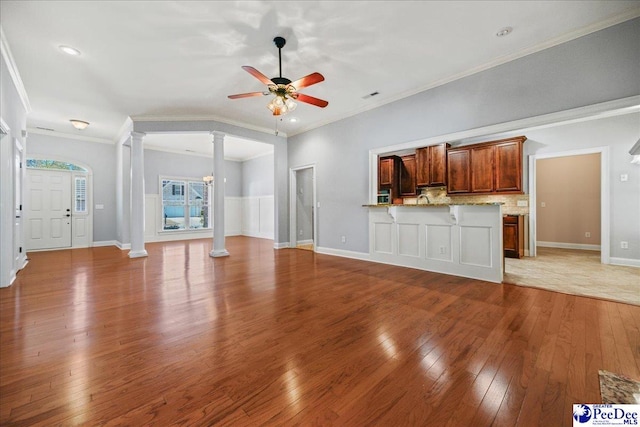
x: 186, y: 231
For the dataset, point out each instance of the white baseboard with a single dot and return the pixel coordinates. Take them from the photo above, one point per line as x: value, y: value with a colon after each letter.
x: 304, y: 242
x: 282, y: 245
x: 580, y: 246
x: 258, y: 234
x: 343, y: 253
x: 625, y: 261
x: 123, y: 246
x: 106, y: 243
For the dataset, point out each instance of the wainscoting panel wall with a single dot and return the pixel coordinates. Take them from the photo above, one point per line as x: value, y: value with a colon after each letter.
x: 248, y: 216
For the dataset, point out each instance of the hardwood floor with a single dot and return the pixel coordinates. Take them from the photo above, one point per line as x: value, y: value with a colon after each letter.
x: 290, y: 337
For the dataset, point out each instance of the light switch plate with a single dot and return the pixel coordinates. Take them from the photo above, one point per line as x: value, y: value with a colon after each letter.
x: 624, y: 177
x: 99, y: 206
x: 523, y: 203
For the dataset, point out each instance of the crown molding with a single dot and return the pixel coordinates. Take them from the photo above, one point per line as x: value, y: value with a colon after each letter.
x: 580, y: 32
x: 204, y: 119
x: 13, y: 71
x: 69, y: 136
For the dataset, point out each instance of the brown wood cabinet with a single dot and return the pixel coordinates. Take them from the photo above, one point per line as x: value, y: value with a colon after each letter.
x: 458, y: 171
x: 408, y: 175
x: 388, y: 170
x: 513, y: 236
x: 431, y: 166
x: 508, y: 158
x: 486, y: 168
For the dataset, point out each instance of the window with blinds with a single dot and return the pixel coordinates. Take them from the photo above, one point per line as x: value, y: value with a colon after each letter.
x: 80, y: 195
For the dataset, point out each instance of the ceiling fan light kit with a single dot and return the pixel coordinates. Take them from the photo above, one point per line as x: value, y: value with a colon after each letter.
x: 79, y: 124
x: 285, y: 90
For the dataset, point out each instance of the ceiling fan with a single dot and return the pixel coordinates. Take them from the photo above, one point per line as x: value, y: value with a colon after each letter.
x: 285, y: 90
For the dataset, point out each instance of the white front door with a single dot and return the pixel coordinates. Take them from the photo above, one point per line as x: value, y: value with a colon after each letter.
x: 48, y: 212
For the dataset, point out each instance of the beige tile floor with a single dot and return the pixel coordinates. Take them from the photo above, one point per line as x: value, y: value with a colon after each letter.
x: 575, y: 272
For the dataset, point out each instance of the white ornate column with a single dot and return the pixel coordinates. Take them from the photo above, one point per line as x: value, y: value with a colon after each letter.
x: 218, y: 196
x: 137, y: 196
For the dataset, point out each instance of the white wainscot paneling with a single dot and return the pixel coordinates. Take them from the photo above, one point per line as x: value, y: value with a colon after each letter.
x: 258, y: 217
x: 267, y: 216
x: 382, y: 237
x: 474, y: 245
x: 408, y: 240
x: 462, y: 240
x: 438, y: 242
x: 233, y: 216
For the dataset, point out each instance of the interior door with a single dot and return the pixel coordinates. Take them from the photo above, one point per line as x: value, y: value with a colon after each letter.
x: 48, y: 222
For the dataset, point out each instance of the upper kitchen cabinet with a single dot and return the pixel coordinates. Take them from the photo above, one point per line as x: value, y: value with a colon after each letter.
x: 408, y: 175
x: 431, y: 166
x: 508, y: 158
x: 459, y: 171
x: 388, y: 171
x: 489, y: 167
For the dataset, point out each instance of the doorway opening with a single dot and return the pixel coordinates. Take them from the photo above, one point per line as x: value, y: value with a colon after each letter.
x: 583, y: 239
x: 303, y: 231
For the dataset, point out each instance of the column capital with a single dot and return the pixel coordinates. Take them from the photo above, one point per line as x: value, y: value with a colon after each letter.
x: 137, y: 135
x: 217, y: 135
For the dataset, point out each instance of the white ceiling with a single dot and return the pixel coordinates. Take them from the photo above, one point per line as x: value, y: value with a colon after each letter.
x: 180, y: 59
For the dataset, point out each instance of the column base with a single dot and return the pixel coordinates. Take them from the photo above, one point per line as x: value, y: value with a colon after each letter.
x: 219, y: 253
x: 138, y: 254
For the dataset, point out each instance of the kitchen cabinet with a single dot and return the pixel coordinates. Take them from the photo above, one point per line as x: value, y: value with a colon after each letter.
x: 408, y: 175
x: 459, y: 171
x: 508, y: 158
x: 493, y: 167
x: 431, y: 166
x: 388, y: 170
x: 513, y: 236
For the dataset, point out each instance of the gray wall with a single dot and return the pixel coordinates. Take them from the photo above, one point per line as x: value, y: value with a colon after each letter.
x: 258, y: 176
x: 14, y: 115
x: 304, y: 204
x: 157, y: 163
x: 619, y: 134
x: 599, y: 67
x: 101, y: 158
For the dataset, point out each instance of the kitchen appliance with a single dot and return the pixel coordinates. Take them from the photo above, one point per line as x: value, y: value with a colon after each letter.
x: 384, y: 197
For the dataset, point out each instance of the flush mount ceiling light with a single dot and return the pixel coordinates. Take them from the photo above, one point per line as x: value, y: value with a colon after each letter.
x: 504, y: 31
x: 79, y: 124
x: 285, y: 90
x: 69, y: 50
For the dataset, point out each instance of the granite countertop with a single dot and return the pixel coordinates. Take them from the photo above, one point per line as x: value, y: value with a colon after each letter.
x: 428, y: 205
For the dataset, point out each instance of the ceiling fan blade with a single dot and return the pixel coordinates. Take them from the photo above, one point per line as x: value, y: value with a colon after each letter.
x: 311, y: 100
x: 248, y: 95
x: 257, y: 74
x: 309, y: 80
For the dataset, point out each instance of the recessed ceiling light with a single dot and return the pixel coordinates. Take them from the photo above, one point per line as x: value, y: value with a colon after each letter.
x: 293, y: 119
x: 69, y: 50
x: 504, y: 31
x: 79, y: 124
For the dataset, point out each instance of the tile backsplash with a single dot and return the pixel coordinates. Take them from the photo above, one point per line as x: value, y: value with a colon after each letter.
x: 510, y: 201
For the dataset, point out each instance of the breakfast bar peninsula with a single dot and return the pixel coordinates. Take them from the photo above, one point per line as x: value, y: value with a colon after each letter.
x: 458, y: 239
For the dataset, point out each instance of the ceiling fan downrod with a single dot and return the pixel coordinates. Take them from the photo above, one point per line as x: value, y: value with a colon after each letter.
x: 280, y: 42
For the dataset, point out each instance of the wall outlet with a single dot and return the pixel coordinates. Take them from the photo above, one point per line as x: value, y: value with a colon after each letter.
x: 343, y: 239
x: 543, y: 204
x: 587, y: 234
x: 522, y: 203
x: 624, y: 245
x: 301, y: 232
x: 443, y: 250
